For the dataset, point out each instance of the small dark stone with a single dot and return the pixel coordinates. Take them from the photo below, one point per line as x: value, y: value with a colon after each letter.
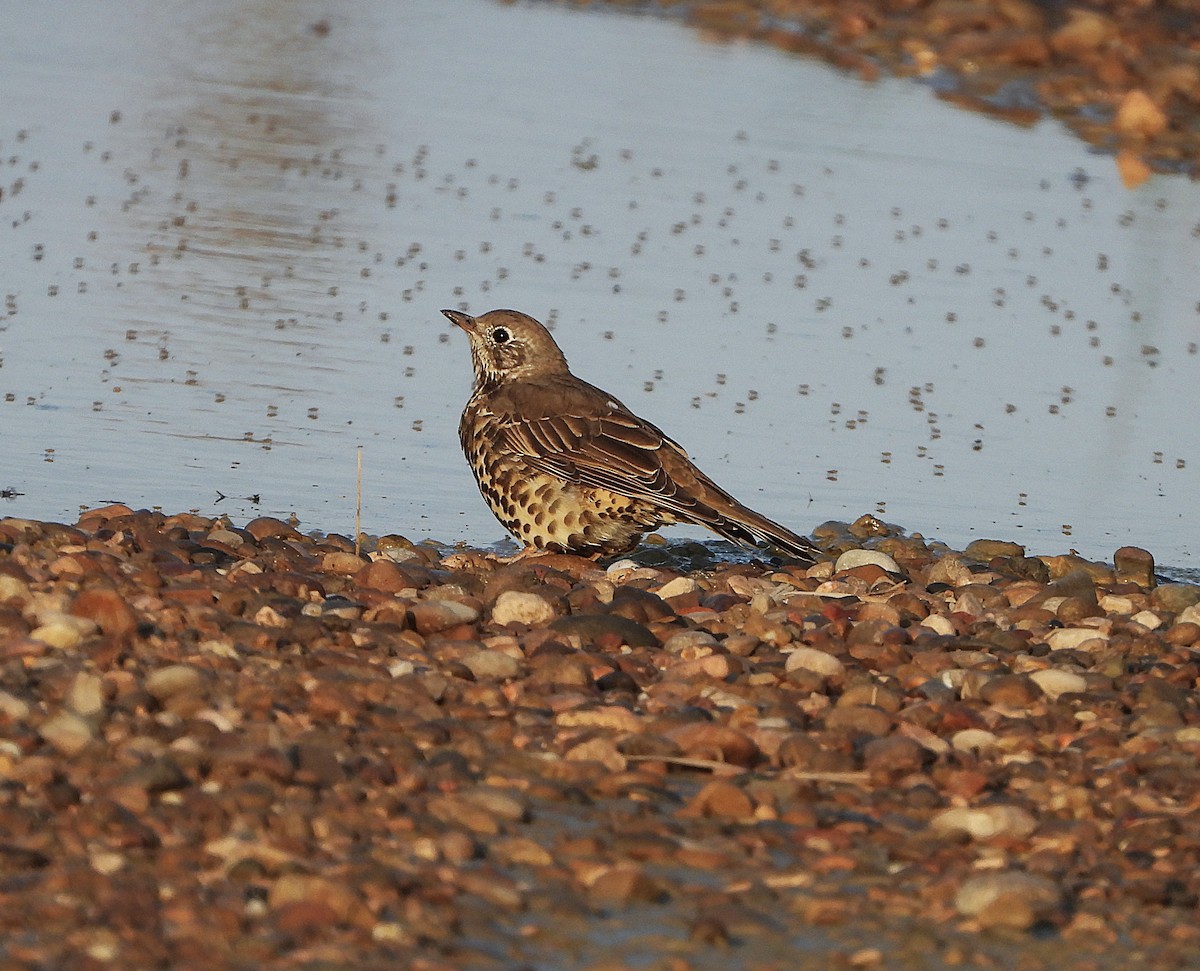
x: 593, y: 627
x: 1135, y: 564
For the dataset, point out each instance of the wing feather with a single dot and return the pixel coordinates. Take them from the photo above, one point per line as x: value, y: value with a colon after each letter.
x: 577, y: 433
x: 585, y: 436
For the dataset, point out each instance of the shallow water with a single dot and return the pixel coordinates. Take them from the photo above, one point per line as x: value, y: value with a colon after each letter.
x: 227, y: 230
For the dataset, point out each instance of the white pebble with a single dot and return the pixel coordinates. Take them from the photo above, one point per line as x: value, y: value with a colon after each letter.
x: 939, y: 624
x: 86, y: 695
x: 13, y: 707
x: 1055, y: 682
x: 174, y: 679
x: 677, y: 587
x: 1076, y: 638
x: 516, y: 607
x: 1113, y: 604
x: 984, y: 822
x: 811, y: 659
x: 1148, y: 619
x: 64, y: 631
x: 855, y: 558
x: 67, y: 732
x: 973, y: 740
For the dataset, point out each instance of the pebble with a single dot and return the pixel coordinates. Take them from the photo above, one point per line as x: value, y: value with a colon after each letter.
x: 13, y: 708
x: 14, y: 587
x: 599, y: 750
x: 62, y: 631
x: 717, y: 743
x: 1076, y: 639
x: 720, y: 800
x: 492, y: 665
x: 107, y: 609
x: 266, y: 527
x: 67, y: 732
x: 811, y: 659
x: 611, y: 717
x: 1011, y: 691
x: 624, y: 884
x: 1148, y: 619
x: 939, y: 624
x: 385, y: 576
x: 86, y: 695
x: 973, y: 740
x: 894, y: 754
x: 302, y: 888
x: 691, y: 644
x: 1134, y: 565
x: 1083, y: 33
x: 434, y: 616
x: 678, y: 587
x: 859, y: 719
x: 853, y: 559
x: 515, y: 607
x: 1138, y: 115
x: 343, y: 563
x: 1174, y: 598
x: 984, y: 550
x: 174, y: 679
x: 1183, y: 634
x: 1008, y: 899
x: 1055, y: 682
x: 985, y: 822
x: 520, y: 851
x: 592, y: 628
x: 950, y: 570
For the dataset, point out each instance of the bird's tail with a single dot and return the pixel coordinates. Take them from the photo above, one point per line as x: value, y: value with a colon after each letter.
x: 743, y: 525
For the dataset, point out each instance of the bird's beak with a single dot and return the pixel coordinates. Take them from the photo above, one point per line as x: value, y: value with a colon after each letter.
x: 465, y: 321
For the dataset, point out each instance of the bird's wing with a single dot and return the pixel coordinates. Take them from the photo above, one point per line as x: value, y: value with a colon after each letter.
x: 580, y: 434
x: 576, y: 432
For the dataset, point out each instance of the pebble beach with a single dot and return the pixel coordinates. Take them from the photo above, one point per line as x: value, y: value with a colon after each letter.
x: 230, y: 742
x: 237, y: 746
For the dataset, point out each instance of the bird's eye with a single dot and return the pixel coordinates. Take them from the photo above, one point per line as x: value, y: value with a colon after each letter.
x: 500, y: 335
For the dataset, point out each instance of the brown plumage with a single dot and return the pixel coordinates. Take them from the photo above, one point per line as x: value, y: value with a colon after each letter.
x: 567, y: 467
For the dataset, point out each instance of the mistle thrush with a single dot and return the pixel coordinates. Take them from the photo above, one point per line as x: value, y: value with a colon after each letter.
x: 566, y: 467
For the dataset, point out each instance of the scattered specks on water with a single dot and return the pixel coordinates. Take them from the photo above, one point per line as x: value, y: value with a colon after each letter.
x: 263, y: 268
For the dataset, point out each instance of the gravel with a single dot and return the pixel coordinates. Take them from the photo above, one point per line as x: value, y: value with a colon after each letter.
x: 230, y: 746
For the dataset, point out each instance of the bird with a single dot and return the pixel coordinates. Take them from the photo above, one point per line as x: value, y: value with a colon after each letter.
x: 568, y: 468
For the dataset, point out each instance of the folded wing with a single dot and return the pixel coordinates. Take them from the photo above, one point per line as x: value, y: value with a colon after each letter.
x: 582, y: 435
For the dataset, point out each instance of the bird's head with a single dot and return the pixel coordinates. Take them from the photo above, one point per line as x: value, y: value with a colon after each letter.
x: 507, y: 345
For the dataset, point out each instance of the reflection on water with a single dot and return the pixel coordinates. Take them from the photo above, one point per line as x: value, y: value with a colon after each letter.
x: 227, y: 232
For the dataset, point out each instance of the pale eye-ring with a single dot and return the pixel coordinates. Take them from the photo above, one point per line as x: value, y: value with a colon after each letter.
x: 501, y: 335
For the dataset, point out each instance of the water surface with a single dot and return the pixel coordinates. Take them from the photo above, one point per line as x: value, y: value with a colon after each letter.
x: 227, y: 230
